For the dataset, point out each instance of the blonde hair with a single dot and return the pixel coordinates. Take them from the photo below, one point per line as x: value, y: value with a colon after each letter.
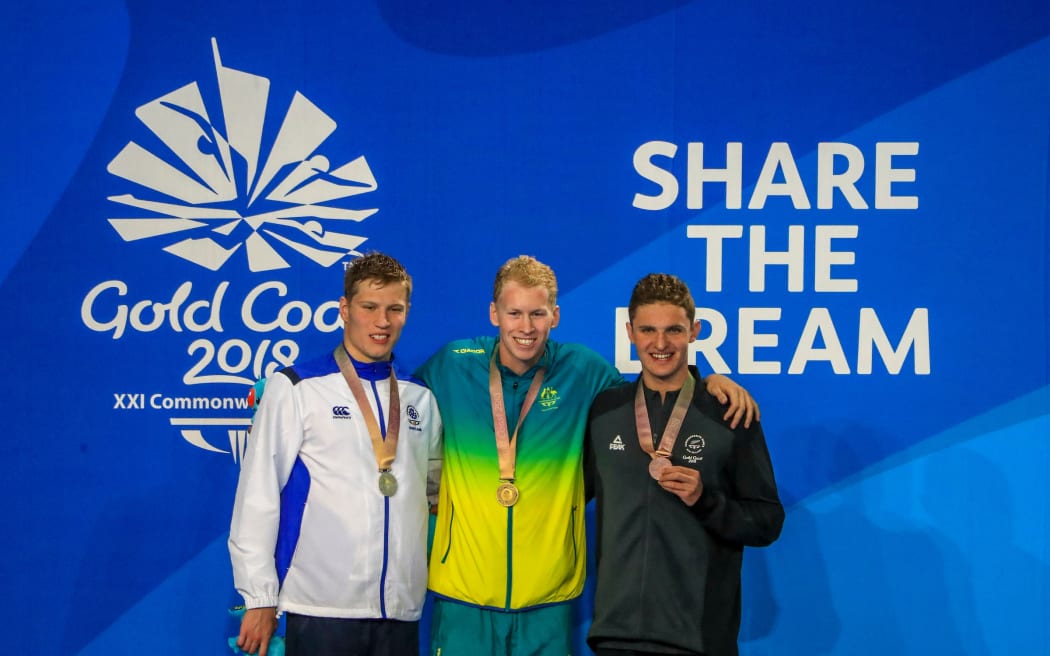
x: 527, y: 271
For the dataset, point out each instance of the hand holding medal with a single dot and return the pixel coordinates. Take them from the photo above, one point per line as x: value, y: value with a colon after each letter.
x: 681, y: 479
x: 683, y: 482
x: 658, y: 464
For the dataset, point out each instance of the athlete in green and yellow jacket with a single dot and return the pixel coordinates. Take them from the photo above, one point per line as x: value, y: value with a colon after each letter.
x: 531, y: 553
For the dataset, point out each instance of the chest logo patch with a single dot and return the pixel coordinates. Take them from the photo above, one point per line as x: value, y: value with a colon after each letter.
x: 694, y: 448
x: 414, y: 418
x: 549, y: 399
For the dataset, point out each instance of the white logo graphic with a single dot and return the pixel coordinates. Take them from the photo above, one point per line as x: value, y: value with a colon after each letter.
x: 212, y: 189
x: 195, y: 436
x: 694, y: 449
x: 616, y: 444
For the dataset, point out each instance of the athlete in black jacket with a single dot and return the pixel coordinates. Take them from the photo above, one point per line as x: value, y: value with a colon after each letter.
x: 671, y: 537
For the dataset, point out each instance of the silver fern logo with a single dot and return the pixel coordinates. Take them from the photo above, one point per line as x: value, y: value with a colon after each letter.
x: 213, y: 190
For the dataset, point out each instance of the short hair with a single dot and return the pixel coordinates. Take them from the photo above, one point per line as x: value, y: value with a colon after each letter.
x: 662, y: 288
x: 379, y: 267
x: 528, y: 272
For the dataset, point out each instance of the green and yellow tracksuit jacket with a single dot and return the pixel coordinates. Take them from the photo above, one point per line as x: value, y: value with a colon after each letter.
x: 532, y: 553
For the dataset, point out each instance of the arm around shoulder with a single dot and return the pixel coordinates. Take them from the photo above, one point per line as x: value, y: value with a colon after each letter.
x: 741, y: 406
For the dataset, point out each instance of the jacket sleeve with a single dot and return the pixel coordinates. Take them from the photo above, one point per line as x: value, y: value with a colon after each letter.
x: 273, y: 446
x: 608, y: 376
x: 748, y: 511
x: 590, y: 466
x: 435, y: 458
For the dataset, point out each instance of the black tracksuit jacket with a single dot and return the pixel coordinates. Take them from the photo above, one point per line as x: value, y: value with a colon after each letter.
x: 669, y: 574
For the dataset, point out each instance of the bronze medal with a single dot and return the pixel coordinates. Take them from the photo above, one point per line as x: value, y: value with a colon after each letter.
x: 507, y: 494
x: 387, y: 484
x: 657, y: 466
x: 661, y: 455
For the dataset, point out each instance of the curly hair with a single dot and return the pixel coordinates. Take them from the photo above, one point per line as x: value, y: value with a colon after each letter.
x: 661, y: 288
x: 528, y: 272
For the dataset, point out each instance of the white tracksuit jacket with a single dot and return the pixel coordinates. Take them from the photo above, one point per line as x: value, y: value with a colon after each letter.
x: 311, y: 533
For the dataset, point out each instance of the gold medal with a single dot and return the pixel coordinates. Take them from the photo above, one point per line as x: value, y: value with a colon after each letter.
x: 507, y: 444
x: 387, y: 484
x: 657, y: 466
x: 507, y: 494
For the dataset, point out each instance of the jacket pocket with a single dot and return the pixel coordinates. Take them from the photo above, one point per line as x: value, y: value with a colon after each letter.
x: 572, y: 534
x: 448, y: 544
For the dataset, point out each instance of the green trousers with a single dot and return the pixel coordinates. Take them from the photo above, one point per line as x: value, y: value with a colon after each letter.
x: 463, y: 630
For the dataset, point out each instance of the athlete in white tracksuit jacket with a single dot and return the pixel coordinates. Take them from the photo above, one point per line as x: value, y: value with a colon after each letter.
x: 312, y: 534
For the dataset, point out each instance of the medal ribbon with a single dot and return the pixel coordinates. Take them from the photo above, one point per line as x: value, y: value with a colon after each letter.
x: 674, y: 424
x: 385, y: 450
x: 507, y: 446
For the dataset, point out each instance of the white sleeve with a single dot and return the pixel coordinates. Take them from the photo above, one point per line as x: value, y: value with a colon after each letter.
x: 434, y: 459
x: 273, y: 445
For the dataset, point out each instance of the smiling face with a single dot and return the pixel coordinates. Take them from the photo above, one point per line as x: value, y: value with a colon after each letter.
x: 524, y: 316
x: 661, y: 333
x: 373, y: 318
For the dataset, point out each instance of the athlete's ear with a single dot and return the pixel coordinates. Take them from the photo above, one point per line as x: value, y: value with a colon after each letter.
x: 557, y: 316
x: 493, y: 315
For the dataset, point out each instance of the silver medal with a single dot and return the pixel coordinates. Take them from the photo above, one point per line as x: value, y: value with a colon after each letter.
x: 387, y: 484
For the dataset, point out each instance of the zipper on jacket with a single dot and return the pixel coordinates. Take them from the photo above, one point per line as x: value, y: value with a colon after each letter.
x: 518, y: 400
x: 386, y: 556
x: 379, y: 409
x: 510, y: 553
x: 386, y: 507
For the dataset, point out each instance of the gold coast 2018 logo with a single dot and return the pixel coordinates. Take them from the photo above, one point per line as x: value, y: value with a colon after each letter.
x: 223, y: 192
x: 215, y: 188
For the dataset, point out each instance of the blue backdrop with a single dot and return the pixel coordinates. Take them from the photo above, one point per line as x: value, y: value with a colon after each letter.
x: 856, y: 192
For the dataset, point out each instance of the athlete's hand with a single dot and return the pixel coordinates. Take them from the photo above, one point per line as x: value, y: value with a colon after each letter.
x: 683, y: 482
x: 257, y: 627
x: 741, y: 405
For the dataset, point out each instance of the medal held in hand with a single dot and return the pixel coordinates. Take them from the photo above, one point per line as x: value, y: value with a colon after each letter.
x: 657, y: 466
x: 507, y: 494
x: 661, y: 456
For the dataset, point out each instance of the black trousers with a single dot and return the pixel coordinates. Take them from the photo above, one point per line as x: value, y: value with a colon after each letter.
x: 329, y: 636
